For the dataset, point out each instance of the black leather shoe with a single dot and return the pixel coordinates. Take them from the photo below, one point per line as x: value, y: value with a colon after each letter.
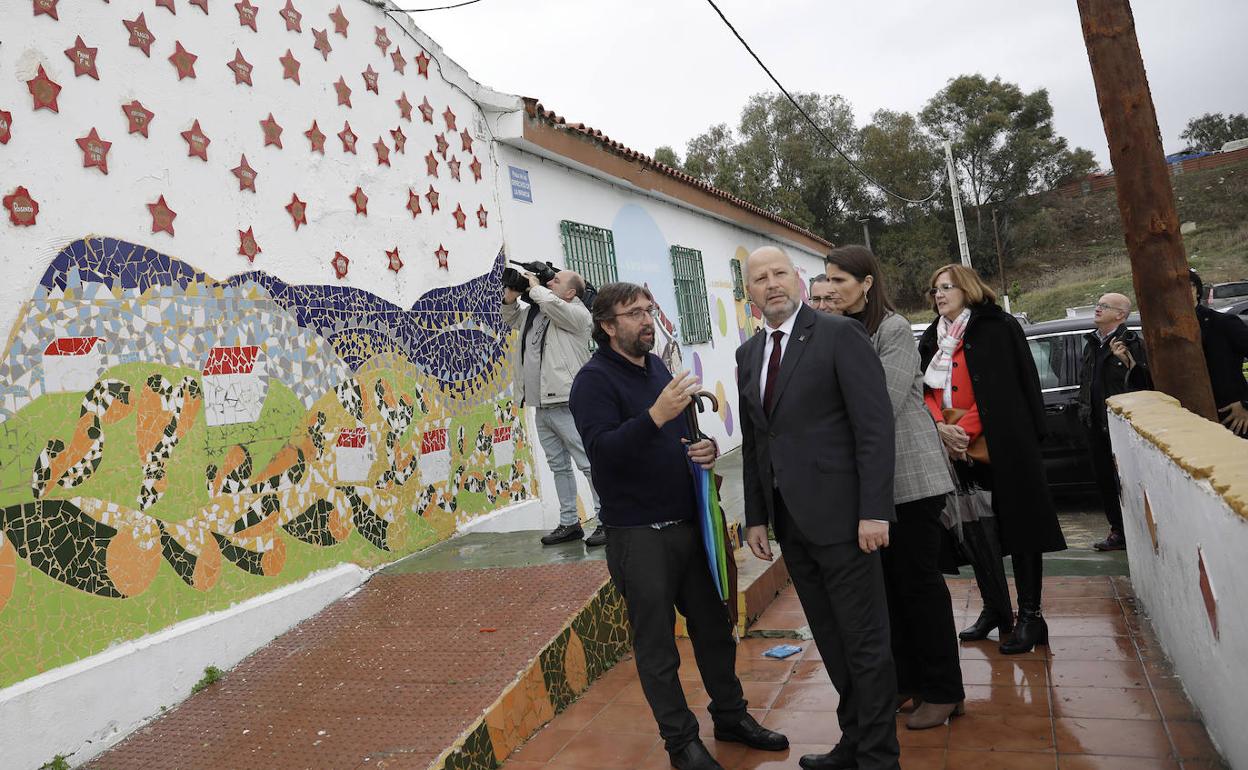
x: 563, y: 533
x: 839, y: 758
x: 598, y: 538
x: 752, y: 734
x: 694, y: 756
x: 1030, y: 631
x: 987, y: 621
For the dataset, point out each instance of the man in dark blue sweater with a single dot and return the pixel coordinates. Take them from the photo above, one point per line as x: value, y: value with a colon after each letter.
x: 627, y: 409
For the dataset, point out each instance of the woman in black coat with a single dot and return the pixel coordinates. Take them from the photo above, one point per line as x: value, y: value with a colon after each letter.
x: 1006, y: 393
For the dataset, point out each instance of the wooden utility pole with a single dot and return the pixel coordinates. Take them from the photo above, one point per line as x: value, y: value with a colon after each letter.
x: 1146, y: 201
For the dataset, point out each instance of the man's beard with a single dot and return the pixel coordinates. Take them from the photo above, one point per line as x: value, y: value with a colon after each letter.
x: 778, y: 317
x: 636, y: 346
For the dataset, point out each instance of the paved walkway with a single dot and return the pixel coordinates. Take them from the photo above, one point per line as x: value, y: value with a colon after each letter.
x: 1101, y: 696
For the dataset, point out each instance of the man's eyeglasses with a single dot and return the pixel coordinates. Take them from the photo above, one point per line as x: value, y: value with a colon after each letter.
x: 818, y: 299
x: 1103, y: 306
x: 945, y: 287
x: 638, y: 313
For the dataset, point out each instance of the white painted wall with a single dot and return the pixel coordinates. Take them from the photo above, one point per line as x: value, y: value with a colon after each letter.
x: 1190, y: 517
x: 644, y: 228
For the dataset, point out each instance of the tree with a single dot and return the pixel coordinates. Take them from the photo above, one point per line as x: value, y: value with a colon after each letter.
x: 667, y: 156
x: 1212, y: 130
x: 711, y: 157
x: 896, y: 152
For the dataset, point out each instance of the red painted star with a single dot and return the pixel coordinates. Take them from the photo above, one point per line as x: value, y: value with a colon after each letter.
x: 290, y: 67
x: 383, y: 40
x: 139, y: 116
x: 241, y: 68
x: 454, y: 165
x: 203, y: 5
x: 392, y: 258
x: 340, y: 21
x: 422, y: 64
x: 383, y: 152
x: 460, y: 217
x: 360, y: 200
x: 413, y: 202
x: 405, y: 107
x: 370, y: 79
x: 449, y: 117
x: 47, y: 8
x: 292, y: 17
x: 316, y: 137
x: 400, y: 139
x: 322, y: 42
x: 344, y: 92
x: 298, y: 211
x: 442, y: 254
x: 475, y: 167
x: 443, y: 145
x: 246, y: 14
x: 83, y: 58
x: 183, y: 60
x: 247, y: 245
x: 23, y: 209
x: 426, y: 110
x: 196, y: 142
x: 140, y: 36
x: 466, y: 139
x: 481, y: 216
x: 272, y: 131
x: 6, y: 126
x: 341, y: 264
x: 246, y: 175
x: 348, y: 138
x: 400, y: 62
x: 94, y: 151
x: 431, y: 164
x: 432, y: 197
x: 168, y: 5
x: 162, y: 216
x: 44, y: 91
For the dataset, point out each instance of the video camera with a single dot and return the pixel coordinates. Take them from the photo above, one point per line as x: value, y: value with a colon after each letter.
x: 545, y: 271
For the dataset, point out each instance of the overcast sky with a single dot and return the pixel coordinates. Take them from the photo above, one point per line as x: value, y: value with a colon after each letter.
x: 654, y: 72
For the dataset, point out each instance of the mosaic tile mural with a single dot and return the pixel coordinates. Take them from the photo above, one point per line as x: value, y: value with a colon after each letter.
x: 591, y: 644
x: 345, y: 429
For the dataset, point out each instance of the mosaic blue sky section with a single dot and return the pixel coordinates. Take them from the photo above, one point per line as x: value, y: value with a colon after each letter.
x: 112, y: 262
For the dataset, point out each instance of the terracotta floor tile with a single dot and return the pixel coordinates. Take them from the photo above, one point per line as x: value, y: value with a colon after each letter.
x: 1100, y: 673
x: 1175, y: 705
x: 760, y: 669
x: 751, y: 759
x: 1113, y: 625
x: 577, y: 715
x: 811, y: 652
x: 632, y: 693
x: 1097, y: 762
x: 818, y: 727
x: 604, y: 750
x: 1120, y: 737
x: 624, y: 718
x: 753, y: 648
x: 995, y: 732
x: 936, y: 737
x: 761, y: 695
x: 779, y: 620
x: 1104, y: 703
x: 1092, y: 648
x: 922, y: 758
x: 999, y: 760
x: 1010, y: 699
x: 988, y: 650
x: 542, y: 746
x: 1191, y: 740
x: 1097, y: 590
x: 1063, y: 606
x: 1005, y: 671
x: 810, y: 671
x: 803, y: 696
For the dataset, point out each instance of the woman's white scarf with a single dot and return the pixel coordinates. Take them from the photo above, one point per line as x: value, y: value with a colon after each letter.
x: 939, y: 372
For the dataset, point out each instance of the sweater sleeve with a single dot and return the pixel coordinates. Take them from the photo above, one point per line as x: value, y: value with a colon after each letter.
x: 609, y: 440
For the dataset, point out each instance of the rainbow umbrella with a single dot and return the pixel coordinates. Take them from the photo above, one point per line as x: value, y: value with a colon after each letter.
x: 711, y: 516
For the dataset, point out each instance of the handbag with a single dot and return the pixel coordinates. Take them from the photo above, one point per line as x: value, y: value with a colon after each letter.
x: 978, y: 450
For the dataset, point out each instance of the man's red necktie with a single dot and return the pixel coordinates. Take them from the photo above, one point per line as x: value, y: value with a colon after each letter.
x: 773, y: 371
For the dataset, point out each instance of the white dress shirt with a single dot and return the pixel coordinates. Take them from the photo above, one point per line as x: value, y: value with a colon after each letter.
x: 787, y: 328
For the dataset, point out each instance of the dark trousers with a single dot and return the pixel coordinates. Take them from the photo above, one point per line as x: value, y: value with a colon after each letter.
x: 842, y: 593
x: 1106, y: 475
x: 659, y: 571
x: 925, y: 642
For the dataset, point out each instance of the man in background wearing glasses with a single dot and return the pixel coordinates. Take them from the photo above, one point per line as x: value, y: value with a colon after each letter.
x: 1114, y: 362
x: 629, y: 411
x: 821, y: 295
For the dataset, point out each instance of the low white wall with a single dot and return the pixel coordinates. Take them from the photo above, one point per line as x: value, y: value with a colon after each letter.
x: 82, y: 709
x: 1183, y: 479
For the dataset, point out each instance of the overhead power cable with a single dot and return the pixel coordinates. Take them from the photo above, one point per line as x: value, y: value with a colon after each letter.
x: 882, y: 187
x: 440, y: 7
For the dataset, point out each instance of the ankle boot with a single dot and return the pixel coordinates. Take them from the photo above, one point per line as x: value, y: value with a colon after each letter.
x: 987, y: 621
x: 984, y: 547
x: 1030, y: 631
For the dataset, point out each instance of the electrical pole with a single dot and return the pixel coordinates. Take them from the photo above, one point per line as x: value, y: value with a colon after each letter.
x: 996, y: 236
x: 1150, y: 223
x: 866, y: 231
x: 957, y: 205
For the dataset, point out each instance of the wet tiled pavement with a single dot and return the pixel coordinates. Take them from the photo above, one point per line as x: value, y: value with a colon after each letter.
x: 1101, y: 696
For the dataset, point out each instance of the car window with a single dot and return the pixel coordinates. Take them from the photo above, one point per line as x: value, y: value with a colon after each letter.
x: 1052, y: 364
x: 1230, y: 290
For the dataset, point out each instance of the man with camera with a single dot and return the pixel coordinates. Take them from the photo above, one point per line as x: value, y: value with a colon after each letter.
x: 1113, y: 362
x: 554, y: 326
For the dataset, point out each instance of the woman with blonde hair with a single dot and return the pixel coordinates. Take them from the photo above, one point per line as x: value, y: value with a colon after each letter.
x: 982, y: 388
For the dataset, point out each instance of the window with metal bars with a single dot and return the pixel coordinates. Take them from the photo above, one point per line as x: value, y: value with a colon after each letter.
x: 738, y: 283
x: 695, y: 314
x: 589, y: 251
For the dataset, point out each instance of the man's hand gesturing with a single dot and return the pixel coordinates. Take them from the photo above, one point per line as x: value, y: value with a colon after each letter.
x: 674, y: 398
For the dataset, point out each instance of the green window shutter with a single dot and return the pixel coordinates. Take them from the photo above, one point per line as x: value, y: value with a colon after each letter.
x: 738, y: 283
x: 589, y: 251
x: 695, y: 314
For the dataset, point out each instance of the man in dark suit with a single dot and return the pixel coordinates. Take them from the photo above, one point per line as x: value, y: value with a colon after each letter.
x: 817, y: 431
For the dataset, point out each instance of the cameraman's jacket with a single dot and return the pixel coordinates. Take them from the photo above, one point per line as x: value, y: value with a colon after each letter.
x: 1102, y: 375
x: 564, y: 349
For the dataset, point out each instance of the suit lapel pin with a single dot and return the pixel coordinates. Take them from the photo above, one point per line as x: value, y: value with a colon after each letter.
x: 802, y: 338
